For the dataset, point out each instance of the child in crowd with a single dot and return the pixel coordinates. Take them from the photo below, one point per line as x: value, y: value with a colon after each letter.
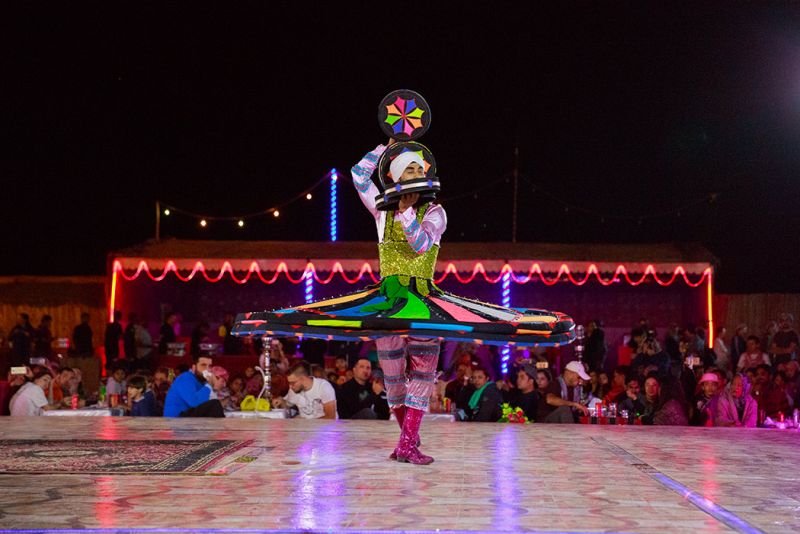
x: 222, y: 392
x: 236, y: 393
x: 141, y: 401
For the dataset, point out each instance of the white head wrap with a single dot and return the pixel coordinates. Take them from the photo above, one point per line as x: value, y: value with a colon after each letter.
x: 402, y: 161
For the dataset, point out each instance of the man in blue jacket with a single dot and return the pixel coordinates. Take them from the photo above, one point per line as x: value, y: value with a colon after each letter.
x: 193, y: 393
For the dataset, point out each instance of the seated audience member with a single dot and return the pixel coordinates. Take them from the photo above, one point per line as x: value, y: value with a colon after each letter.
x: 30, y: 399
x: 235, y: 393
x: 360, y: 398
x: 161, y: 385
x: 254, y: 381
x: 779, y: 384
x: 61, y: 387
x: 670, y: 408
x: 141, y: 401
x: 736, y: 407
x: 10, y: 386
x: 543, y: 380
x: 221, y: 387
x: 340, y: 366
x: 314, y: 398
x: 753, y: 355
x: 193, y: 393
x: 705, y: 405
x: 792, y: 372
x: 770, y: 399
x: 618, y: 385
x: 524, y: 396
x: 460, y: 381
x: 482, y: 398
x: 563, y: 396
x: 633, y: 401
x: 116, y: 382
x: 603, y: 385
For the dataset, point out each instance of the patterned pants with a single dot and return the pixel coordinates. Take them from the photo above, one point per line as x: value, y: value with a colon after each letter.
x: 410, y: 387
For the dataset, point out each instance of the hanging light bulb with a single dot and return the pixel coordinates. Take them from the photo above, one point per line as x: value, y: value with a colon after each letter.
x: 240, y: 223
x: 276, y: 214
x: 167, y: 212
x: 203, y: 223
x: 308, y: 196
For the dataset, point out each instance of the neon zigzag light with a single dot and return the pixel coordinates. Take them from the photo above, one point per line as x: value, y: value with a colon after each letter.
x: 564, y: 273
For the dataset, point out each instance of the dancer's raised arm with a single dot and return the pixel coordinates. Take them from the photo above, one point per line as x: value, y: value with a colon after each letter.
x: 362, y: 171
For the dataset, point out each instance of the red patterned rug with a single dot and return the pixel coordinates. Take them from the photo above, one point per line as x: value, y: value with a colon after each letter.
x: 95, y: 456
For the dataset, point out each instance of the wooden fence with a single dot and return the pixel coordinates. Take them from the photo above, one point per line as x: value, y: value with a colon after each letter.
x: 63, y: 298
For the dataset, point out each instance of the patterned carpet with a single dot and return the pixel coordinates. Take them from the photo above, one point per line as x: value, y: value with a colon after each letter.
x: 114, y: 457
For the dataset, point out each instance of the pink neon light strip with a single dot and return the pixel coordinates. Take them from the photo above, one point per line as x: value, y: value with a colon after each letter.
x: 620, y: 274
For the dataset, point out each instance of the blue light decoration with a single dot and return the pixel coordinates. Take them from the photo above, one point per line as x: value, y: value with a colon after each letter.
x: 309, y: 285
x: 505, y: 301
x: 334, y: 178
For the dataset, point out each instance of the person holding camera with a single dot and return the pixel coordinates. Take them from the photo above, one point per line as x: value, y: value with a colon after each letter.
x: 651, y: 355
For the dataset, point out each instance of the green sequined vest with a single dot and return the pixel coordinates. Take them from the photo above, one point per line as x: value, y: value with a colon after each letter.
x: 398, y: 258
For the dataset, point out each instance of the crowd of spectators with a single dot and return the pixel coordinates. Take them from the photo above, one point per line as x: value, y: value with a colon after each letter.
x: 673, y: 379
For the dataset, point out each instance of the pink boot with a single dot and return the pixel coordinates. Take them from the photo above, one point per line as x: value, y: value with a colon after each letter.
x: 407, y: 450
x: 400, y: 415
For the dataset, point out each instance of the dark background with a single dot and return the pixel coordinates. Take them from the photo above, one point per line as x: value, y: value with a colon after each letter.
x: 635, y: 123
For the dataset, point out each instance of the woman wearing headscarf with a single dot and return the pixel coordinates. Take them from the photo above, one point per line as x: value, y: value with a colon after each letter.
x: 735, y: 406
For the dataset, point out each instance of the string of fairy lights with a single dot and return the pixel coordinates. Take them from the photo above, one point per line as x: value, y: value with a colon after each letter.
x: 332, y: 178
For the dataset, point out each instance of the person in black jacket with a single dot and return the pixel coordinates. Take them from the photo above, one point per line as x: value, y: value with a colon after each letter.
x: 360, y: 398
x: 525, y: 396
x: 482, y: 399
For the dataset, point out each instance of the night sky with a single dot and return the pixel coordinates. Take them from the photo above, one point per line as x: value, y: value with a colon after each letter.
x: 634, y: 124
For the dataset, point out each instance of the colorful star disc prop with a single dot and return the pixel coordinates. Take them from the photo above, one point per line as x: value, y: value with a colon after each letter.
x: 404, y: 115
x: 391, y: 191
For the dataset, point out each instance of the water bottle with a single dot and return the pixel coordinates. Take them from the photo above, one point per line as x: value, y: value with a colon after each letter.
x: 101, y: 397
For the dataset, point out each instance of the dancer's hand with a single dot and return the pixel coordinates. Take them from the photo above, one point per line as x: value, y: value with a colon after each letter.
x: 391, y: 142
x: 408, y: 200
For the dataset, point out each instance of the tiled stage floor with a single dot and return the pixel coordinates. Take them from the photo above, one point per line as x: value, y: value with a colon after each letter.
x: 335, y: 476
